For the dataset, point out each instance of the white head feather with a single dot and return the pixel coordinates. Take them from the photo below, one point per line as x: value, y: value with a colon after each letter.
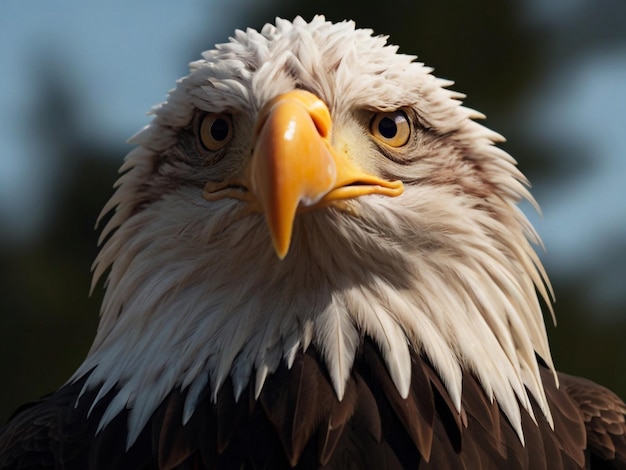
x: 195, y: 292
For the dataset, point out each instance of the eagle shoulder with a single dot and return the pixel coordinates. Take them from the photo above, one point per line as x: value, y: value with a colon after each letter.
x: 604, y: 414
x: 60, y: 431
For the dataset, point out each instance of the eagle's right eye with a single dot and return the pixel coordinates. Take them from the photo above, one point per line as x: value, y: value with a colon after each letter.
x: 215, y: 131
x: 392, y: 128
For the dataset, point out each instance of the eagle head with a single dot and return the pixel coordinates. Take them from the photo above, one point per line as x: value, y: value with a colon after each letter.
x: 307, y: 186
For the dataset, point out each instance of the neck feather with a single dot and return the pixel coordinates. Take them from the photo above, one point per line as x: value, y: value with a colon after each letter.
x: 194, y: 303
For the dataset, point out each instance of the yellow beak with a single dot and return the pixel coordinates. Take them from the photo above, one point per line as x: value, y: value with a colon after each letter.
x: 294, y: 168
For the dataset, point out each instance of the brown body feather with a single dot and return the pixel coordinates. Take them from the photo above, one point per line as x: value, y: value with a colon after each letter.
x: 297, y: 422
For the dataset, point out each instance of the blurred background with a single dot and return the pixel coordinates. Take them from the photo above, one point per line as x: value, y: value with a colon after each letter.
x: 78, y: 77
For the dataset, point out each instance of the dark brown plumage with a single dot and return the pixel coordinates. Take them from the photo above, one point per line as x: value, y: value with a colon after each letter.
x: 297, y: 422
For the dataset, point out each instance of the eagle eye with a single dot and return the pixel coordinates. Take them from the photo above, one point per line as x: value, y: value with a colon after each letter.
x: 392, y: 128
x: 215, y: 131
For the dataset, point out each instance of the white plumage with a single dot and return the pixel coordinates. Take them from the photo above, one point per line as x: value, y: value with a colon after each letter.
x: 427, y: 270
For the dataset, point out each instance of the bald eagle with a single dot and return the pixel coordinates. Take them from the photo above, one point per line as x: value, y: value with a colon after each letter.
x: 315, y: 259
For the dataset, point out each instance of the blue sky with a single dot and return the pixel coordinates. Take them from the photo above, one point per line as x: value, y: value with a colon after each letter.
x: 140, y: 49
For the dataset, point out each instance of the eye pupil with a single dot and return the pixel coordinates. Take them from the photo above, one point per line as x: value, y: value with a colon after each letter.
x: 387, y: 128
x: 220, y: 129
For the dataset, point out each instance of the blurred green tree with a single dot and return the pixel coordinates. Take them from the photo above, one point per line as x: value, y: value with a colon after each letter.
x: 48, y: 321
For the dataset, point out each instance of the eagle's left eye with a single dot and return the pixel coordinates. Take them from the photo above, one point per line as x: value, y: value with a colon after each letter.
x: 392, y: 128
x: 215, y: 130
